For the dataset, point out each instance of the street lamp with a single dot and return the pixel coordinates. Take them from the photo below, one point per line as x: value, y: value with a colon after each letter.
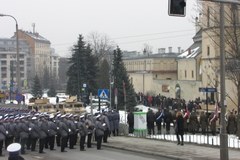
x: 17, y: 55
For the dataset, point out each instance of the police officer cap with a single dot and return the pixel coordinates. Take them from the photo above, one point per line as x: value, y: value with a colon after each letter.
x: 63, y: 116
x: 34, y: 118
x: 1, y: 117
x: 51, y: 116
x: 98, y: 116
x: 14, y: 147
x: 82, y: 116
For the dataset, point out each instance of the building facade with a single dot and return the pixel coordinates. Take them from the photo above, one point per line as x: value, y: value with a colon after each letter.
x: 43, y: 56
x: 8, y: 63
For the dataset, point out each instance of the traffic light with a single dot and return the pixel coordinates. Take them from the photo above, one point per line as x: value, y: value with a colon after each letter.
x: 177, y: 8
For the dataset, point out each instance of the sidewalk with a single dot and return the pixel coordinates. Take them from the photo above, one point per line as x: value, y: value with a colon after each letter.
x: 168, y: 149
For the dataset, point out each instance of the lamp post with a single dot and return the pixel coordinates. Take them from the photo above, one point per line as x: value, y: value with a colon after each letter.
x: 17, y: 54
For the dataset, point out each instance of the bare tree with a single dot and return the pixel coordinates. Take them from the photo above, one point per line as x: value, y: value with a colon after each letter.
x: 147, y: 49
x: 210, y: 24
x: 101, y: 45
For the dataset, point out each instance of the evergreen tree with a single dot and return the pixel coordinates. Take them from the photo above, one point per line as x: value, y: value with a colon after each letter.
x: 82, y: 70
x: 104, y: 72
x: 45, y: 78
x: 52, y: 91
x: 36, y: 90
x: 121, y: 79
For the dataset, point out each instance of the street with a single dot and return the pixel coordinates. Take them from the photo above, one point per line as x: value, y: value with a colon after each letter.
x: 89, y: 154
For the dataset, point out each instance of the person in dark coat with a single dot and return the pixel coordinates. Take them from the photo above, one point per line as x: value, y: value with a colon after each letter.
x: 203, y: 122
x: 43, y: 126
x: 34, y: 132
x: 90, y: 126
x: 107, y: 126
x: 2, y: 135
x: 116, y: 119
x: 231, y: 124
x: 10, y: 129
x: 82, y: 132
x: 150, y: 121
x: 63, y: 129
x: 24, y: 133
x: 99, y: 131
x: 52, y: 132
x: 168, y: 119
x: 130, y: 121
x: 179, y: 127
x: 159, y: 116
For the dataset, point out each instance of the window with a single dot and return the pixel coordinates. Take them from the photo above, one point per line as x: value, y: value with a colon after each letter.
x: 208, y: 17
x: 208, y: 50
x: 192, y: 74
x: 185, y: 74
x: 3, y: 62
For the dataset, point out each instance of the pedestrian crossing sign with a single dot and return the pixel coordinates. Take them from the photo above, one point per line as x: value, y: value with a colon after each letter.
x: 103, y: 93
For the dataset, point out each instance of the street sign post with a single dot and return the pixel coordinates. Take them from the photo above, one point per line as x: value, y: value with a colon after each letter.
x: 207, y: 90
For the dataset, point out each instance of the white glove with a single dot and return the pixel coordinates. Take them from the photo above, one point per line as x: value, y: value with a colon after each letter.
x: 6, y: 132
x: 29, y: 129
x: 57, y: 128
x: 69, y: 130
x: 104, y: 124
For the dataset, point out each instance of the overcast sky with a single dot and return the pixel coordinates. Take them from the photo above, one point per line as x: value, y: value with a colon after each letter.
x: 130, y: 23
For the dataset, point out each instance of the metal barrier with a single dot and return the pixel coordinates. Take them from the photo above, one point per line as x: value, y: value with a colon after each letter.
x: 210, y: 140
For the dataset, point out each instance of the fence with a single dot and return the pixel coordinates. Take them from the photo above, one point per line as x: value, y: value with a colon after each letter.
x: 210, y: 140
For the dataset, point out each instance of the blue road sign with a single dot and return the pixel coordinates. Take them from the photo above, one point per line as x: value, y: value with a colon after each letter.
x: 103, y: 93
x: 210, y: 90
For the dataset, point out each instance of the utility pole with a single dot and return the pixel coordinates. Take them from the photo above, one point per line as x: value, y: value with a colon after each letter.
x: 223, y: 133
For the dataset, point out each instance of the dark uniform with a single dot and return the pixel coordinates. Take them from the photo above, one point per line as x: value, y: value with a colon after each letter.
x: 24, y: 133
x: 2, y: 135
x: 99, y: 131
x: 63, y: 129
x: 43, y: 125
x: 130, y: 121
x: 34, y: 132
x: 90, y: 126
x: 203, y: 122
x: 52, y: 131
x: 82, y: 132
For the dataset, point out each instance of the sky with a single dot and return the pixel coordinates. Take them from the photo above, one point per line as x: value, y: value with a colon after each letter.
x: 129, y: 23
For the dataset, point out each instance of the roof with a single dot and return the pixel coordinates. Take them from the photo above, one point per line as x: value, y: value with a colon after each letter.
x: 190, y: 53
x: 36, y: 36
x: 150, y: 56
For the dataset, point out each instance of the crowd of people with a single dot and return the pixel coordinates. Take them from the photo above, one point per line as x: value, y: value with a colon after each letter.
x: 194, y: 120
x: 55, y: 130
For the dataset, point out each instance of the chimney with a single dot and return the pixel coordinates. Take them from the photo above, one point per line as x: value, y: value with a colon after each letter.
x: 179, y: 50
x: 169, y: 49
x: 189, y: 51
x: 161, y: 50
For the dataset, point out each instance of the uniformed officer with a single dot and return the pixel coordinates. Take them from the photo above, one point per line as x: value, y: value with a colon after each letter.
x: 43, y: 126
x: 99, y: 131
x: 90, y: 126
x: 24, y: 133
x: 105, y: 120
x: 10, y: 130
x: 52, y: 131
x: 2, y: 135
x: 34, y: 132
x: 72, y: 130
x: 63, y: 129
x: 82, y: 132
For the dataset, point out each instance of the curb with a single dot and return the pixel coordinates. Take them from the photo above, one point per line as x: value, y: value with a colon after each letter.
x: 146, y: 152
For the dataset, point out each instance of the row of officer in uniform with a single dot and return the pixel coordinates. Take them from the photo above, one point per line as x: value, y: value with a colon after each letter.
x: 28, y: 129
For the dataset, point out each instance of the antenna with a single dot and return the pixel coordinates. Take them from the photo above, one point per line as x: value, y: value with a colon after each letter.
x: 33, y: 25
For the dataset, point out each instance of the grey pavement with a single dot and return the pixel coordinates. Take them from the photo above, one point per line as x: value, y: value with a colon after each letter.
x: 169, y: 149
